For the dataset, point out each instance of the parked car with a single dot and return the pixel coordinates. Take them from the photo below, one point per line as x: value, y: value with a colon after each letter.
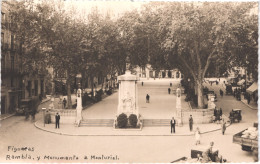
x: 25, y: 107
x: 235, y: 115
x: 248, y: 138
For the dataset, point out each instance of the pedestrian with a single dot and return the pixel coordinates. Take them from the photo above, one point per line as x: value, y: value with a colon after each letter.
x: 60, y: 103
x: 142, y: 83
x: 231, y: 116
x: 169, y: 90
x: 220, y: 112
x: 197, y: 136
x: 170, y: 84
x: 64, y: 103
x: 248, y: 99
x: 147, y: 98
x: 221, y: 93
x: 223, y: 126
x: 191, y: 123
x: 57, y: 120
x: 173, y: 125
x: 217, y: 116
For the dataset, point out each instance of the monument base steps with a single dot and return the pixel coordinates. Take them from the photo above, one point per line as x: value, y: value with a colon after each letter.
x: 97, y: 123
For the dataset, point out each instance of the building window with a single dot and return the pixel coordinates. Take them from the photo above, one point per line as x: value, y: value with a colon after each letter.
x: 12, y: 63
x: 2, y: 38
x: 29, y: 88
x: 3, y: 17
x: 12, y: 42
x: 12, y: 82
x: 36, y: 87
x: 2, y: 62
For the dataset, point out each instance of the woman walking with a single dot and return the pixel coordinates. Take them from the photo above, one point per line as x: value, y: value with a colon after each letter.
x: 197, y: 136
x: 223, y: 126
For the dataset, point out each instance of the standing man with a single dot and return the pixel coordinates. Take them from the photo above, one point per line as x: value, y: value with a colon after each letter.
x: 142, y: 83
x: 147, y: 98
x: 57, y: 120
x: 169, y: 90
x: 170, y: 84
x: 173, y: 125
x: 191, y: 123
x: 64, y: 103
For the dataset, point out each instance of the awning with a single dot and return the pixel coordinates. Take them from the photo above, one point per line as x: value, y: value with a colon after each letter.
x: 241, y: 82
x: 252, y: 88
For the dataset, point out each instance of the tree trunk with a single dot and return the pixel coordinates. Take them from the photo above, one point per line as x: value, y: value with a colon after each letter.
x: 92, y: 86
x: 83, y: 80
x: 69, y: 95
x: 199, y: 87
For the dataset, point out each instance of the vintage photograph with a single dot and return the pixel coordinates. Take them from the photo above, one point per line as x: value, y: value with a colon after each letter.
x: 129, y: 81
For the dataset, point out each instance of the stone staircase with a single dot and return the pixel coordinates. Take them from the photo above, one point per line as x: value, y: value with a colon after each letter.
x: 110, y: 122
x: 97, y: 123
x: 156, y: 122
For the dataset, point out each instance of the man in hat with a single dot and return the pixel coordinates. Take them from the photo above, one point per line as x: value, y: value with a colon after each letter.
x: 57, y: 120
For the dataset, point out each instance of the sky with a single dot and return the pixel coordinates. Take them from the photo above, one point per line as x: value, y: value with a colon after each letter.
x: 113, y: 7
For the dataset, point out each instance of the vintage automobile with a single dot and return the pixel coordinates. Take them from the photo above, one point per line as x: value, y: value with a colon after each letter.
x: 25, y: 107
x: 235, y: 115
x: 229, y: 90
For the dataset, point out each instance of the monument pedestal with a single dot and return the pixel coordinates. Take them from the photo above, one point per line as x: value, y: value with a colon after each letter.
x: 178, y: 107
x: 79, y: 107
x: 127, y: 95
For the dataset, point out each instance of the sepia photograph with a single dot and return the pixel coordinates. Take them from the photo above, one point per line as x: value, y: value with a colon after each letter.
x: 129, y: 81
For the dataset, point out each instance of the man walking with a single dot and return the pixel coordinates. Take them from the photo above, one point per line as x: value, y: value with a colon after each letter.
x: 173, y: 125
x: 57, y: 120
x: 169, y: 90
x: 147, y: 98
x: 142, y: 83
x: 64, y: 103
x: 191, y: 123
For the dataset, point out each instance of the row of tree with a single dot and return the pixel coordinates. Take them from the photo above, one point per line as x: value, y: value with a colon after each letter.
x: 167, y: 35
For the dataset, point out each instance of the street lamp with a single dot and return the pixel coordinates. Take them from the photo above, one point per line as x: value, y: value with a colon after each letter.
x: 44, y: 109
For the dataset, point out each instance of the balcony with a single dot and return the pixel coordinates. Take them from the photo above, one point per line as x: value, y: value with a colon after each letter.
x: 4, y: 47
x: 4, y: 25
x: 10, y: 72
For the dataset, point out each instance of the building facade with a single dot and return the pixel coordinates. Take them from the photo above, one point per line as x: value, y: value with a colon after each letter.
x: 15, y: 84
x: 149, y: 72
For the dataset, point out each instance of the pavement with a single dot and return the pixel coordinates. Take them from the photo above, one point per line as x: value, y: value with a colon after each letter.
x: 160, y: 99
x: 70, y: 130
x: 17, y: 132
x: 252, y: 105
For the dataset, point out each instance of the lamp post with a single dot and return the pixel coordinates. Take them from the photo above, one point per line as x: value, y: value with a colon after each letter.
x: 43, y: 109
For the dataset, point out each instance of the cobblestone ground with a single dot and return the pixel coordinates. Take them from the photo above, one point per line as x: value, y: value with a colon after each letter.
x: 17, y: 132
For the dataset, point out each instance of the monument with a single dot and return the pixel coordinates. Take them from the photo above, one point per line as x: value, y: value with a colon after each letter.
x: 79, y: 106
x: 127, y: 97
x: 178, y: 107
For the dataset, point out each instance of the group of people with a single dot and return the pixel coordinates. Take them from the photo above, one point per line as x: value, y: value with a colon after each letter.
x: 197, y: 131
x: 237, y: 93
x: 63, y: 103
x: 210, y: 156
x: 217, y: 115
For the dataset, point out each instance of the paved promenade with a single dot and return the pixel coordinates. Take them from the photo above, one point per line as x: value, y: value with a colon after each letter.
x: 162, y: 106
x: 71, y: 130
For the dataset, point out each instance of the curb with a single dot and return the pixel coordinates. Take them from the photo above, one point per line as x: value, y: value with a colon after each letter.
x: 249, y: 105
x: 44, y: 101
x: 1, y: 119
x: 66, y: 134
